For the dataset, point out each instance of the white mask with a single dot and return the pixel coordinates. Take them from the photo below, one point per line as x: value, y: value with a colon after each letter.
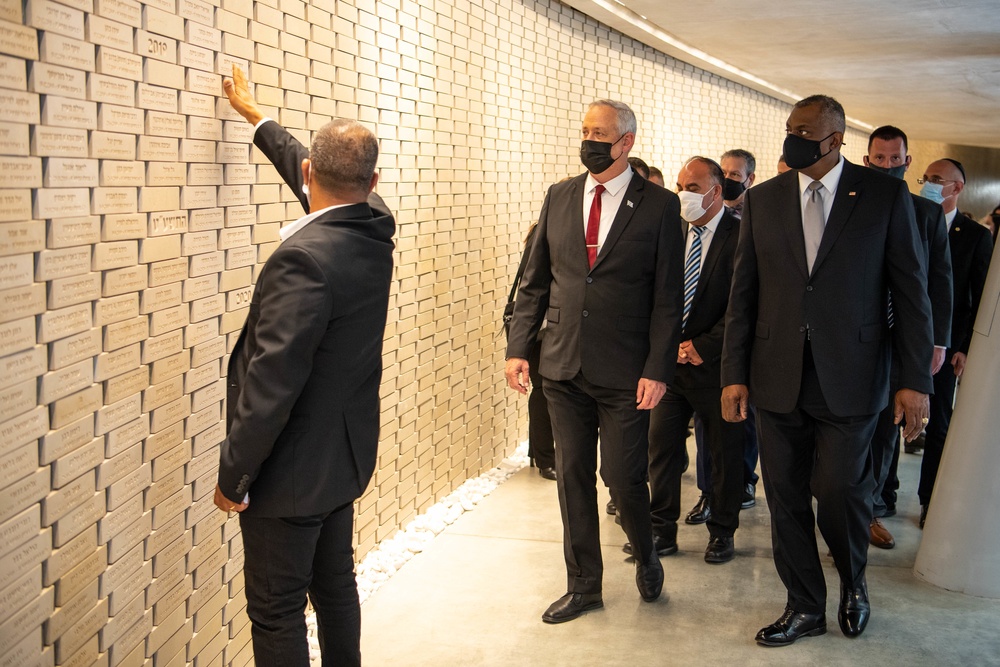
x: 692, y: 205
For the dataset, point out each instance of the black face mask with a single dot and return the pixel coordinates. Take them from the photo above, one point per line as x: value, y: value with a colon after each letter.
x: 892, y: 171
x: 732, y: 190
x: 596, y: 155
x: 801, y: 153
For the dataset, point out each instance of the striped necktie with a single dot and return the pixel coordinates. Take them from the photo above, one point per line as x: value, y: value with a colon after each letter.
x: 692, y: 271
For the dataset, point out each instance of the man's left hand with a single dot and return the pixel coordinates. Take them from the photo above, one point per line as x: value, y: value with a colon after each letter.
x: 227, y: 505
x: 649, y: 393
x: 915, y: 407
x: 958, y: 361
x: 690, y: 354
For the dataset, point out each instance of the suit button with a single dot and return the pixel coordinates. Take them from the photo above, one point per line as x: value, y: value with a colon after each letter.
x: 809, y: 288
x: 802, y: 329
x: 586, y: 313
x: 589, y: 280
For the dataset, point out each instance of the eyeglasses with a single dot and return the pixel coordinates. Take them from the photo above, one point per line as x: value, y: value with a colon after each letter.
x: 937, y: 180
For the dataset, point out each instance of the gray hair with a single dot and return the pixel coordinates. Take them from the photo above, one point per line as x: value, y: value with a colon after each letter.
x: 830, y: 109
x: 343, y: 156
x: 740, y: 154
x: 626, y: 118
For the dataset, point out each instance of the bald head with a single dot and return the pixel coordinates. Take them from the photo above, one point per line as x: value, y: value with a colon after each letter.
x: 951, y: 179
x: 343, y: 156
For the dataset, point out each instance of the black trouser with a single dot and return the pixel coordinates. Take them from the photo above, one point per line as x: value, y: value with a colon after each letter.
x: 580, y: 410
x: 812, y: 452
x: 541, y: 446
x: 668, y: 424
x: 885, y: 448
x: 937, y: 427
x: 285, y: 559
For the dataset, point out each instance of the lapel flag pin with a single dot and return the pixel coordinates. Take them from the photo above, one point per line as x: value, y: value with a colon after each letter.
x: 630, y: 204
x: 851, y: 193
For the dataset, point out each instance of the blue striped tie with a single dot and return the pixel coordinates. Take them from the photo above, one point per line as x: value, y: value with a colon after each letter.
x: 692, y: 270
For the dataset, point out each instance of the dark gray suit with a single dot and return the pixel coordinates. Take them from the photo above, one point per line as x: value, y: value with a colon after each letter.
x: 608, y: 326
x: 814, y: 350
x: 303, y: 416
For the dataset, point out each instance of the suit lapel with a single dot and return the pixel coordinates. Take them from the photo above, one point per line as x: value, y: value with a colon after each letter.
x: 843, y: 203
x: 722, y: 232
x: 630, y: 202
x: 791, y: 200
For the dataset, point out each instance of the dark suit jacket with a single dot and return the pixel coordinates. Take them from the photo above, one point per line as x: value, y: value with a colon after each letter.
x: 870, y: 242
x: 934, y: 239
x: 707, y: 319
x: 971, y: 250
x: 620, y: 320
x: 303, y: 403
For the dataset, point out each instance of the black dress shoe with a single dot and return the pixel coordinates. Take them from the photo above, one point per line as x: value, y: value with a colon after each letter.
x: 547, y: 473
x: 854, y: 609
x: 700, y: 513
x: 663, y: 548
x: 720, y: 550
x: 649, y: 578
x: 611, y: 509
x: 791, y: 626
x: 749, y: 496
x: 570, y: 606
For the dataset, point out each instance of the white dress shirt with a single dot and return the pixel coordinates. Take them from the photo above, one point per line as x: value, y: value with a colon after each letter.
x: 830, y: 182
x: 611, y: 201
x: 950, y: 217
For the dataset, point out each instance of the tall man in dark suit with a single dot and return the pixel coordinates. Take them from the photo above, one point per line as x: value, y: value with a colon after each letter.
x: 605, y: 273
x: 303, y: 404
x: 887, y: 153
x: 807, y: 330
x: 709, y: 255
x: 971, y: 249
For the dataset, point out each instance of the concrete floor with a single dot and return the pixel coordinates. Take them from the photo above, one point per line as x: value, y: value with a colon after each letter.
x: 476, y: 594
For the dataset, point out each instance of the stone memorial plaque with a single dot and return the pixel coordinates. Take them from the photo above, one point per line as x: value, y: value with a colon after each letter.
x: 212, y: 262
x: 112, y: 145
x: 17, y: 400
x: 77, y: 462
x: 156, y: 396
x: 160, y: 347
x: 198, y: 196
x: 121, y: 281
x: 158, y: 47
x: 58, y: 503
x: 164, y: 369
x: 120, y: 439
x: 237, y: 257
x: 18, y: 302
x: 124, y: 226
x: 106, y: 32
x: 61, y: 202
x: 53, y: 17
x: 206, y: 218
x: 124, y: 385
x: 112, y: 62
x: 20, y: 107
x: 208, y: 129
x: 165, y: 124
x: 113, y: 200
x: 78, y: 520
x: 15, y: 138
x: 159, y: 249
x: 195, y: 243
x: 200, y: 332
x: 200, y: 377
x: 108, y: 89
x: 239, y: 174
x: 213, y: 436
x: 127, y: 173
x: 76, y: 581
x: 56, y: 80
x: 110, y: 364
x: 116, y: 309
x: 234, y: 195
x: 121, y: 570
x: 238, y: 132
x: 211, y: 306
x: 163, y: 22
x: 18, y: 335
x: 167, y: 271
x: 224, y: 64
x: 61, y: 50
x: 156, y: 98
x: 68, y: 232
x: 165, y: 174
x: 62, y: 263
x: 66, y: 616
x: 202, y: 34
x: 115, y: 255
x: 65, y: 292
x: 18, y: 270
x: 58, y: 443
x: 197, y: 57
x: 197, y: 104
x: 61, y: 172
x: 230, y: 153
x: 72, y: 407
x: 112, y: 118
x: 240, y: 216
x: 224, y: 110
x: 158, y: 298
x: 66, y: 351
x: 159, y: 149
x: 197, y: 11
x: 18, y: 40
x: 212, y: 394
x: 232, y: 322
x: 118, y: 414
x: 194, y: 288
x: 125, y: 11
x: 58, y: 142
x: 14, y: 73
x: 18, y: 431
x: 163, y: 223
x: 195, y: 150
x: 127, y: 539
x: 205, y: 174
x: 66, y: 112
x: 168, y: 509
x: 157, y: 71
x: 122, y: 334
x: 57, y: 384
x: 159, y: 199
x: 168, y: 319
x: 129, y: 485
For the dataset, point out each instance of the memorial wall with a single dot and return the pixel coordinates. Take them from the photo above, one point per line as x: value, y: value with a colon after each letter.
x: 135, y: 214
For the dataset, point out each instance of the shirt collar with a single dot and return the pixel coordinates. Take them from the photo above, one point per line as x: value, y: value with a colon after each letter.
x: 950, y: 217
x: 614, y: 186
x: 288, y: 230
x: 830, y: 179
x: 712, y: 224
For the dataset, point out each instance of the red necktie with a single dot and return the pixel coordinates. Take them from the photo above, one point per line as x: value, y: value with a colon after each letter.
x: 594, y: 225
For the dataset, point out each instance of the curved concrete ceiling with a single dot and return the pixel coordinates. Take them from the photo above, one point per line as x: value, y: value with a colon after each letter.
x: 932, y: 67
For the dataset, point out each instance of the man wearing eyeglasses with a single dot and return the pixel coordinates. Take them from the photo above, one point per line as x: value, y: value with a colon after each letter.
x: 971, y: 248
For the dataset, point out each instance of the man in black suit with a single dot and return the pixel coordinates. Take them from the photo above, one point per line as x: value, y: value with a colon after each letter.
x: 605, y: 273
x: 711, y: 248
x: 303, y: 403
x: 887, y: 153
x: 971, y: 249
x: 807, y: 330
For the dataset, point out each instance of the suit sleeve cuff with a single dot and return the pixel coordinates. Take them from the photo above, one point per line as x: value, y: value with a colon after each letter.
x: 263, y: 120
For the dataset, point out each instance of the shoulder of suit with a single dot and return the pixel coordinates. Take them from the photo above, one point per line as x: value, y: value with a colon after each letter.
x: 963, y: 223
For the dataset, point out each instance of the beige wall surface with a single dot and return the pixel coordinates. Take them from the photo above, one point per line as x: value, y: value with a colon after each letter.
x: 135, y: 214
